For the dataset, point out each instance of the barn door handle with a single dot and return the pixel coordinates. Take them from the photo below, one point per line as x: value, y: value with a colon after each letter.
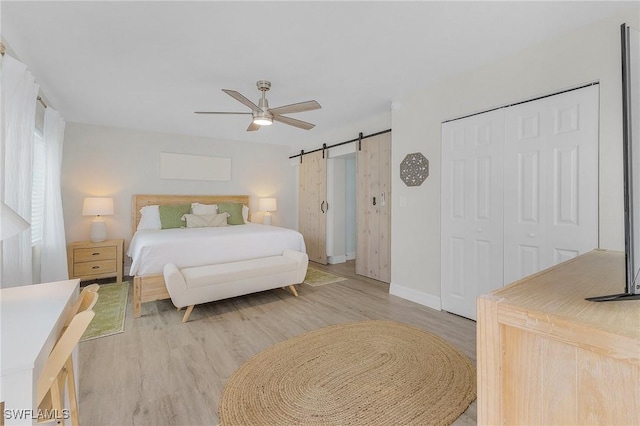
x: 374, y: 201
x: 322, y: 207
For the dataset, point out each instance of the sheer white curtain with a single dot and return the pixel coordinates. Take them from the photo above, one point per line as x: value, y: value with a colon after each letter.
x: 18, y: 101
x: 53, y: 252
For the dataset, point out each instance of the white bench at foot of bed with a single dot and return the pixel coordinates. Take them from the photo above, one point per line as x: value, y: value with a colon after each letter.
x: 202, y: 284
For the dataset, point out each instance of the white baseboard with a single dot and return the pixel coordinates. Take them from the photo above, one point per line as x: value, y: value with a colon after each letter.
x: 351, y: 256
x: 416, y: 296
x: 336, y: 259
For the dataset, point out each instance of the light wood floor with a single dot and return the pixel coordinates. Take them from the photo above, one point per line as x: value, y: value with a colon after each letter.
x: 162, y: 372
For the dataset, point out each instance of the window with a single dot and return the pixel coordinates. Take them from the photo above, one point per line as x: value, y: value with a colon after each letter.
x: 37, y: 191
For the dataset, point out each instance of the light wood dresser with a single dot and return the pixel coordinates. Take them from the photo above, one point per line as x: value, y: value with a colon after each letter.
x: 546, y: 356
x: 89, y: 261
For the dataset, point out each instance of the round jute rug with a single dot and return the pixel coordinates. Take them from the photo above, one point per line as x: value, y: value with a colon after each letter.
x: 366, y: 373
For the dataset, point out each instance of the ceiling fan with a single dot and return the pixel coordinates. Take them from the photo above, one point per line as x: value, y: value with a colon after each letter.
x: 265, y: 116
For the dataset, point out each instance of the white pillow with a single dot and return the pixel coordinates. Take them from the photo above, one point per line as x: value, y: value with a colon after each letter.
x: 206, y: 220
x: 197, y: 208
x: 245, y: 213
x: 150, y: 218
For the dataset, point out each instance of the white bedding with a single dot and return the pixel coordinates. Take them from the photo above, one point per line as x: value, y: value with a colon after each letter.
x: 150, y: 250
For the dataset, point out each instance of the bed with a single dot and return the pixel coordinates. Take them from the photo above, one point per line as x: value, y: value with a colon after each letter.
x: 150, y: 250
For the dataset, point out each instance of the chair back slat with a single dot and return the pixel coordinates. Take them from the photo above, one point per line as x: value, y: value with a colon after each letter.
x: 62, y: 351
x: 87, y: 300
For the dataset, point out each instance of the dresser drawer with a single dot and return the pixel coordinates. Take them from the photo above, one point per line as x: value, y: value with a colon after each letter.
x: 93, y: 254
x: 94, y: 268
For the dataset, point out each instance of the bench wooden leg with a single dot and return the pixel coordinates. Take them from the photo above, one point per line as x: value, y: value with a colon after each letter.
x: 293, y: 290
x: 185, y: 318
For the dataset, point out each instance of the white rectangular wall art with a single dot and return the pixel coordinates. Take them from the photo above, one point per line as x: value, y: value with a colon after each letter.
x: 194, y: 167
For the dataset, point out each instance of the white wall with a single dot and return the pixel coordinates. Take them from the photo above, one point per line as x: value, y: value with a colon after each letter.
x: 106, y: 161
x: 589, y: 54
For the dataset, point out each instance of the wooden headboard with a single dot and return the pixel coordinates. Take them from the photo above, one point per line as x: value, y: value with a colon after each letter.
x: 138, y: 201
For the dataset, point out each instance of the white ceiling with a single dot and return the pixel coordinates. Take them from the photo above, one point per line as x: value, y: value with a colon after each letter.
x: 148, y: 65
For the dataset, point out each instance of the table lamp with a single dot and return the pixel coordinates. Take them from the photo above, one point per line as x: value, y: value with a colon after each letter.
x: 267, y: 205
x: 98, y: 207
x: 10, y: 222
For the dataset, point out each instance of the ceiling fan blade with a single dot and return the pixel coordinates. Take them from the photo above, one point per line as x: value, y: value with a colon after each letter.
x: 240, y: 98
x: 293, y: 122
x: 221, y: 112
x: 252, y: 127
x: 299, y: 107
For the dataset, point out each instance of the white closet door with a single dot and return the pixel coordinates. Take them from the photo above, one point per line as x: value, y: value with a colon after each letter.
x: 519, y: 193
x: 471, y: 199
x: 551, y: 181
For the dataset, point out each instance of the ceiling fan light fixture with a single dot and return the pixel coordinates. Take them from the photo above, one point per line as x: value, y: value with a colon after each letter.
x: 263, y: 120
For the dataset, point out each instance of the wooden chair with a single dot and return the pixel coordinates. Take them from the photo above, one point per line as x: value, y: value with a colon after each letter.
x: 58, y: 371
x: 87, y: 300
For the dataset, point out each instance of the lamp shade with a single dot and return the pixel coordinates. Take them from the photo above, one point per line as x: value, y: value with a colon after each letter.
x: 267, y: 205
x: 10, y: 222
x: 97, y: 206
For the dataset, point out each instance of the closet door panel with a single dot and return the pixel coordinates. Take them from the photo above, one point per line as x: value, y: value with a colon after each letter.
x: 312, y: 220
x: 528, y: 259
x: 524, y: 188
x: 551, y: 181
x: 525, y: 194
x: 573, y: 144
x: 471, y: 210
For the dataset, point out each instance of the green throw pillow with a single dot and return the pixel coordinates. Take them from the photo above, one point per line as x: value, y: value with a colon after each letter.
x: 235, y: 210
x: 171, y: 216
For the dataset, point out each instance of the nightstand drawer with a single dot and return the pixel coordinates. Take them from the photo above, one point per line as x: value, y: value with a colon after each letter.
x: 94, y: 254
x: 94, y: 268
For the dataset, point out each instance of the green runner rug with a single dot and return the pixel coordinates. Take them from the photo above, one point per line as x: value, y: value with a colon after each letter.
x: 316, y: 277
x: 110, y: 311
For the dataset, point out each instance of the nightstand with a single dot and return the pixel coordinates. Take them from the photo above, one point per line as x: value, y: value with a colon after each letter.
x: 89, y: 261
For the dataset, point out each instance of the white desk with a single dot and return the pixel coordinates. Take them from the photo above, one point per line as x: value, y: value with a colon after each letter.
x: 31, y: 318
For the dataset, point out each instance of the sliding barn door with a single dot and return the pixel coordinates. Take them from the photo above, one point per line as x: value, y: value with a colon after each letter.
x: 551, y: 181
x: 373, y: 208
x: 471, y: 200
x: 312, y: 208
